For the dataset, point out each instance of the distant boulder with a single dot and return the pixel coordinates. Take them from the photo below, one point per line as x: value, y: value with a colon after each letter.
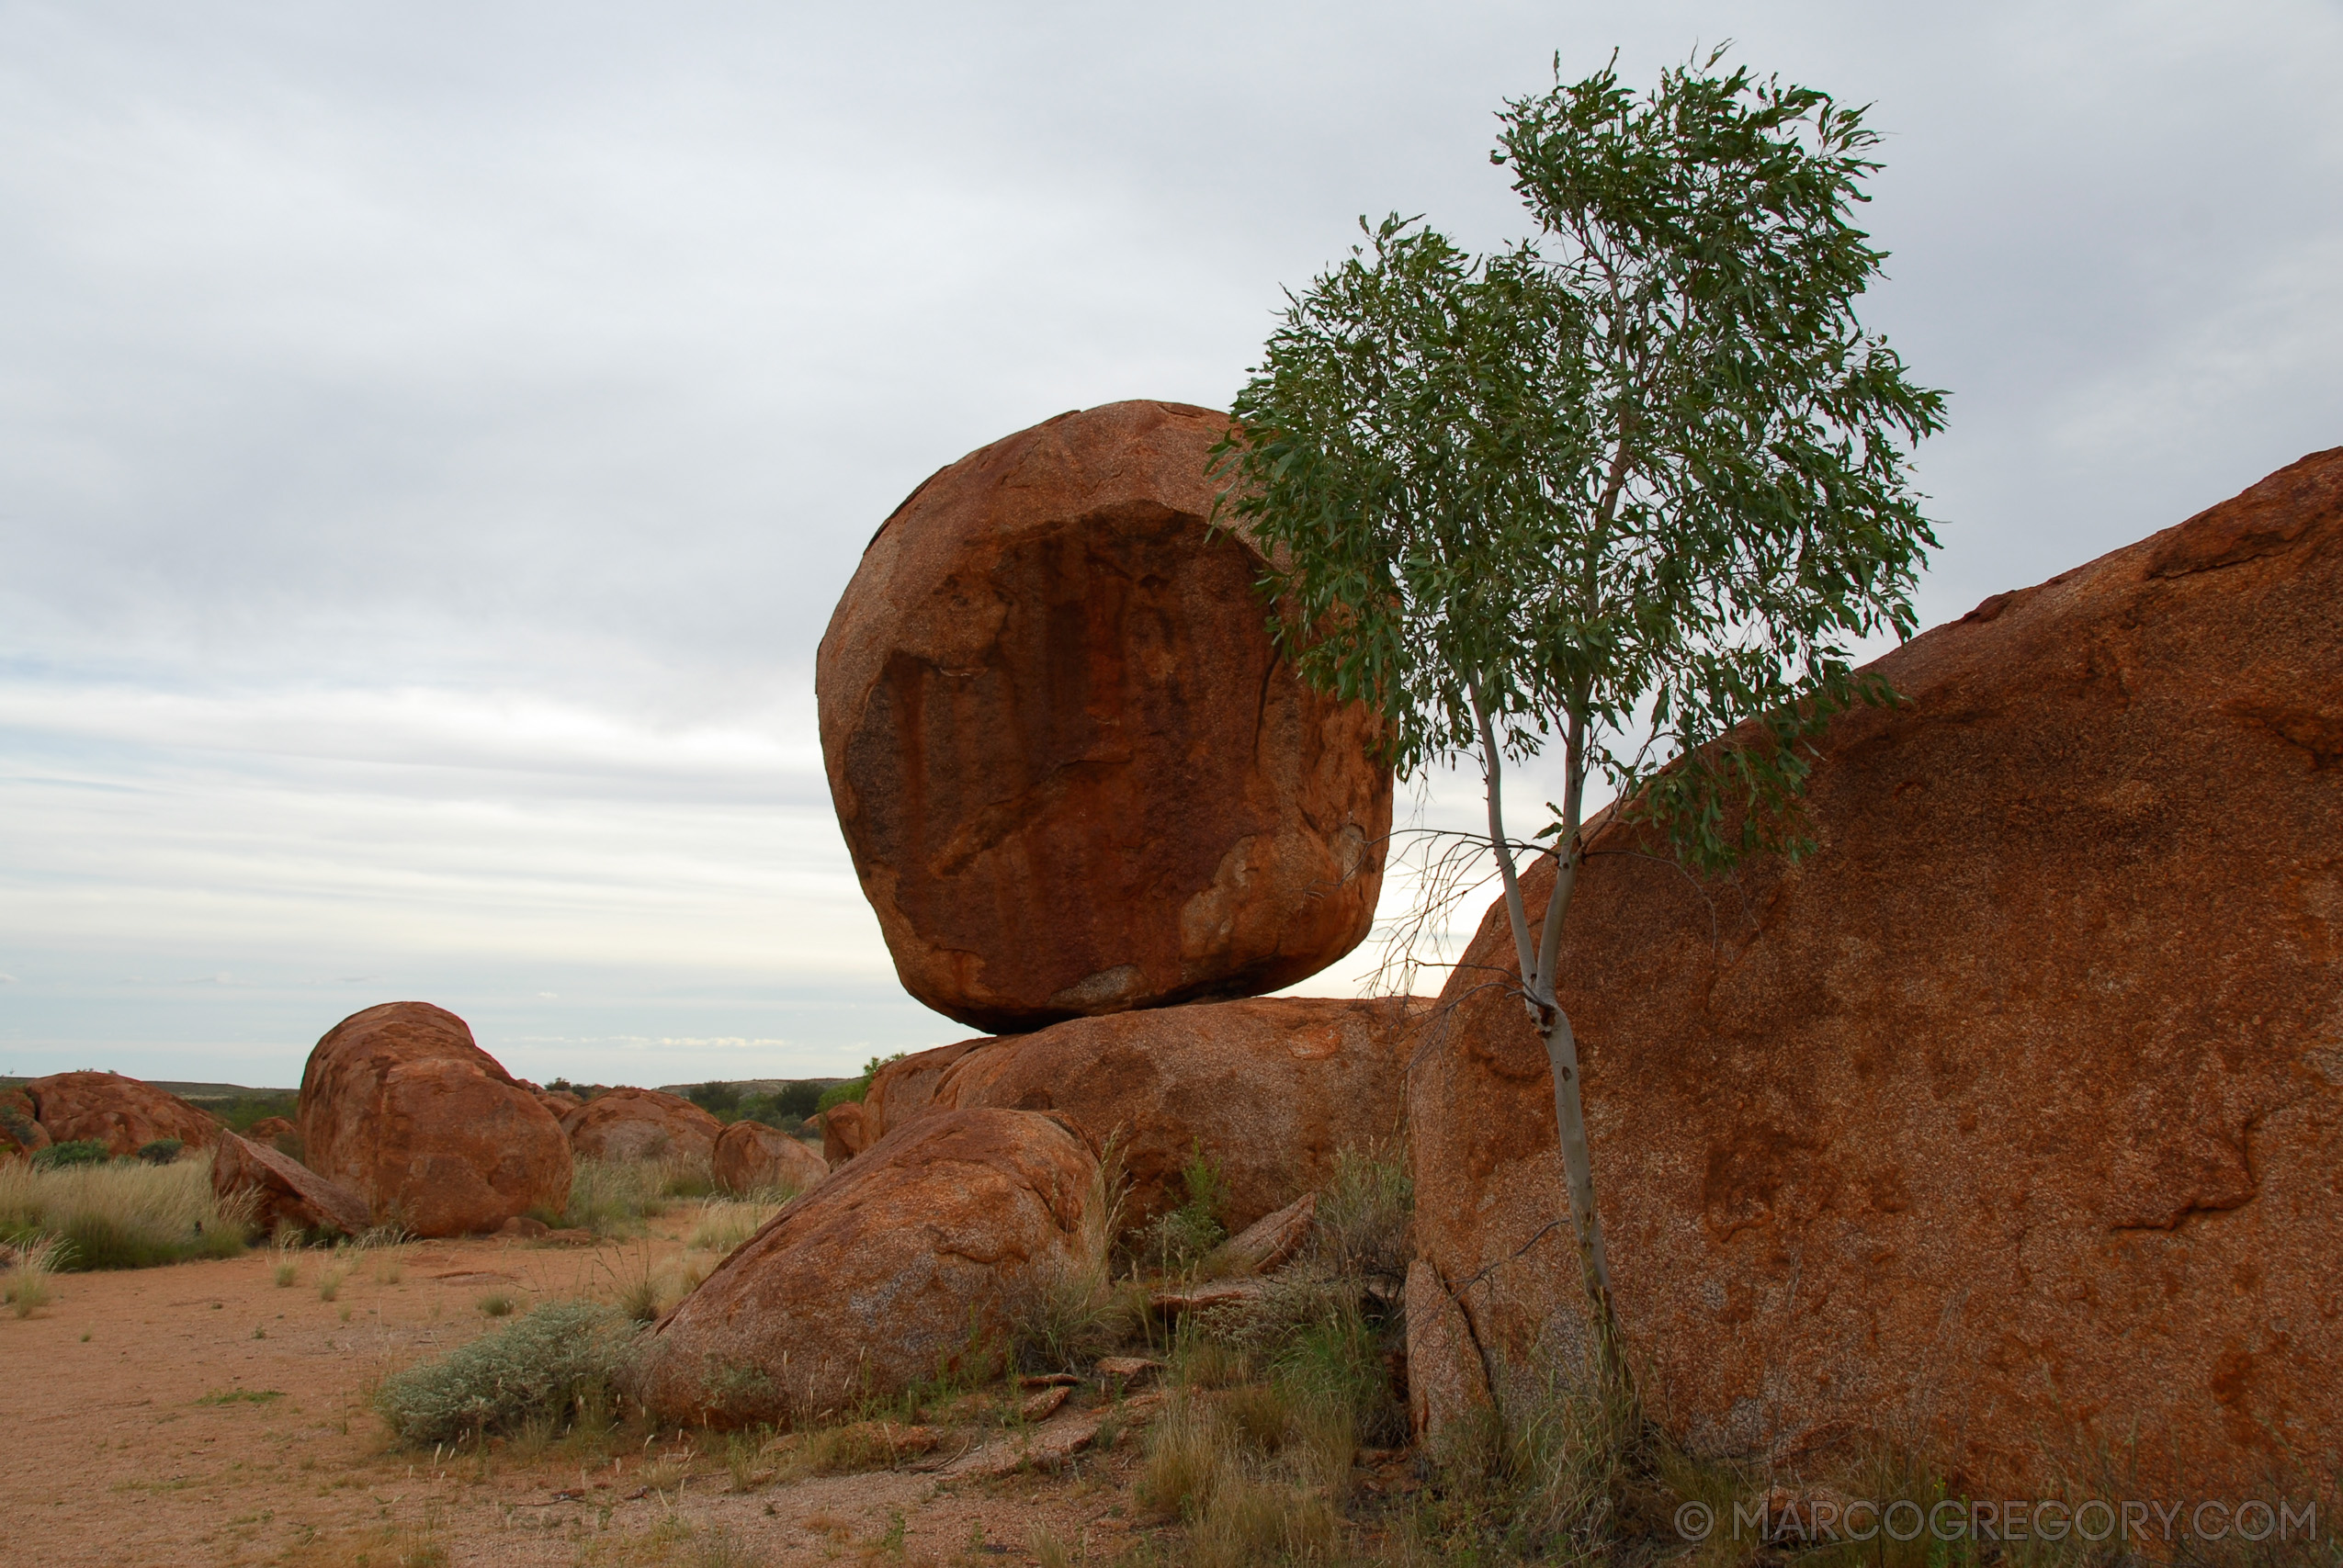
x: 847, y: 1129
x: 908, y: 1263
x: 751, y: 1158
x: 268, y: 1129
x: 121, y: 1114
x: 21, y: 1129
x: 398, y: 1104
x: 642, y: 1123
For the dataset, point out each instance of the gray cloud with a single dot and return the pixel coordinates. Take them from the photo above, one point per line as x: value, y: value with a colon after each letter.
x: 437, y: 434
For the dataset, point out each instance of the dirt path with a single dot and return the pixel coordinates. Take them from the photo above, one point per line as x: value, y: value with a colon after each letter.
x: 203, y: 1413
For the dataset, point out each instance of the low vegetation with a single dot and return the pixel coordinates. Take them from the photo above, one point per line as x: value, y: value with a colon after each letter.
x: 618, y: 1198
x: 854, y: 1088
x: 555, y: 1368
x: 124, y: 1213
x: 782, y: 1107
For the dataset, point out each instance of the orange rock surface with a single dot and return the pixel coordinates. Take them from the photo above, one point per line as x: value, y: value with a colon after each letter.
x: 641, y: 1123
x: 1073, y: 772
x: 285, y: 1192
x: 752, y: 1157
x: 1269, y: 1088
x: 2008, y: 1121
x: 122, y: 1113
x: 900, y: 1265
x: 398, y: 1104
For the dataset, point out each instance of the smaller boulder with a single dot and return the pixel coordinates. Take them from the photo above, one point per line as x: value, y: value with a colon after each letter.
x: 846, y: 1131
x: 286, y: 1193
x: 905, y: 1089
x: 21, y: 1133
x: 642, y: 1123
x: 559, y: 1101
x: 752, y: 1157
x: 1270, y: 1242
x: 121, y: 1114
x: 910, y: 1263
x: 268, y: 1129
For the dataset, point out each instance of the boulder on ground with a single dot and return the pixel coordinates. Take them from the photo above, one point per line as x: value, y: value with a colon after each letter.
x: 752, y: 1157
x: 559, y: 1101
x: 122, y: 1113
x: 846, y: 1131
x: 903, y: 1090
x: 1270, y: 1242
x: 398, y: 1104
x: 641, y: 1123
x: 1075, y: 775
x: 21, y: 1129
x: 286, y: 1193
x: 1269, y: 1088
x: 907, y: 1264
x: 2008, y: 1121
x: 268, y: 1129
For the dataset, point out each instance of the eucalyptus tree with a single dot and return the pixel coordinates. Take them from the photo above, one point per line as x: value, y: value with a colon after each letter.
x: 1636, y: 487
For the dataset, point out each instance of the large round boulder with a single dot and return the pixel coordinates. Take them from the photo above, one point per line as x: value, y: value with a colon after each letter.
x: 1270, y: 1090
x: 1074, y: 774
x: 2006, y: 1124
x: 642, y: 1125
x: 905, y: 1265
x: 398, y: 1104
x: 122, y: 1113
x: 752, y: 1157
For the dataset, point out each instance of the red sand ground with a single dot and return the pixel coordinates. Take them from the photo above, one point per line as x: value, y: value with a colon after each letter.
x: 202, y: 1413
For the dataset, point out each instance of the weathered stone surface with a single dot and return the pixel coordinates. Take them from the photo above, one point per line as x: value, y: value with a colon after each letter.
x: 1270, y: 1087
x: 21, y: 1129
x: 398, y: 1104
x: 2011, y: 1120
x: 1074, y: 775
x: 641, y: 1123
x: 268, y: 1129
x: 122, y: 1113
x: 1270, y: 1242
x: 847, y: 1130
x: 285, y: 1192
x: 903, y: 1090
x: 902, y: 1264
x: 557, y: 1100
x: 752, y: 1157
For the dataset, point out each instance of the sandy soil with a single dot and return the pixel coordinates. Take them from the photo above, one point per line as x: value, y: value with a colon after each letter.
x: 203, y: 1413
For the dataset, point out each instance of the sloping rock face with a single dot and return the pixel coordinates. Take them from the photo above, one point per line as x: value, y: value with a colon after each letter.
x: 21, y: 1129
x: 641, y: 1123
x: 285, y: 1192
x: 905, y: 1263
x: 903, y: 1090
x: 1270, y: 1089
x: 752, y: 1157
x: 429, y: 1130
x: 122, y: 1113
x: 2012, y: 1118
x: 1074, y: 775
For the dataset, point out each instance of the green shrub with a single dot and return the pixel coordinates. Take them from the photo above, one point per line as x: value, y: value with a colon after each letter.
x: 80, y: 1151
x: 1177, y: 1240
x: 163, y: 1151
x: 558, y: 1365
x: 854, y: 1089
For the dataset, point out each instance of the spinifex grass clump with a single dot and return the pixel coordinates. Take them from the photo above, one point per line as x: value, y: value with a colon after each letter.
x: 559, y: 1365
x: 615, y: 1197
x: 121, y: 1214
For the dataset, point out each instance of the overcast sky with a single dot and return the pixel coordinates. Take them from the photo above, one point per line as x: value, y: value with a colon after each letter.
x: 433, y: 436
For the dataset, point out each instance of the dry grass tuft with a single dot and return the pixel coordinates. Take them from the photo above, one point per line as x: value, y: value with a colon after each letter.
x: 30, y: 1263
x: 122, y: 1213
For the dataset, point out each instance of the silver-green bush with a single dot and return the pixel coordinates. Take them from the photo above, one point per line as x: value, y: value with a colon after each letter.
x: 558, y: 1364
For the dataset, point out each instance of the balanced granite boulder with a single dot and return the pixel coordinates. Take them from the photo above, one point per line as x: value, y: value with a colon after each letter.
x: 122, y: 1113
x: 398, y: 1104
x: 642, y: 1125
x: 907, y: 1264
x: 1270, y: 1090
x: 752, y: 1157
x: 1074, y: 774
x: 286, y: 1194
x: 2010, y: 1123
